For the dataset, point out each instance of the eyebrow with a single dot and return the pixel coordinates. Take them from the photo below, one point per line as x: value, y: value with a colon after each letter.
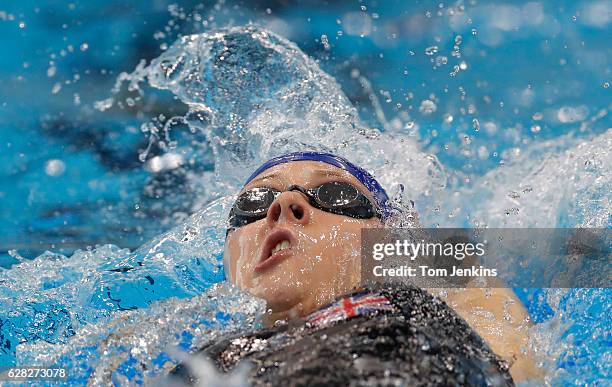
x: 327, y: 172
x: 322, y: 172
x: 266, y: 177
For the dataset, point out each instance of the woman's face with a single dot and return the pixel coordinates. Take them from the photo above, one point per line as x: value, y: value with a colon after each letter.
x: 320, y: 255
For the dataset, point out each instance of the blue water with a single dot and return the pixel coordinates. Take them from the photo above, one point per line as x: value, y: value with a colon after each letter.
x: 504, y: 94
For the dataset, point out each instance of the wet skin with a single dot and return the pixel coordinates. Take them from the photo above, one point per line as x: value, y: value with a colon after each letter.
x: 322, y: 262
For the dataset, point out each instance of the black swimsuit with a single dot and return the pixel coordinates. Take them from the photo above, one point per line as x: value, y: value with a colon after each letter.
x: 378, y: 336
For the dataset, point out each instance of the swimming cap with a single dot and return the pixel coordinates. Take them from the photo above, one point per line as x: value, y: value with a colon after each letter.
x: 380, y: 196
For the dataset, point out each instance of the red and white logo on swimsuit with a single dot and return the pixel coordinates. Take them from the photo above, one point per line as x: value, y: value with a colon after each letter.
x: 348, y: 307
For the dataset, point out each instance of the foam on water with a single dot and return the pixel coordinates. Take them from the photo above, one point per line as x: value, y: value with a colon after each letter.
x: 252, y: 95
x: 559, y: 183
x: 255, y: 95
x: 113, y: 314
x: 141, y: 346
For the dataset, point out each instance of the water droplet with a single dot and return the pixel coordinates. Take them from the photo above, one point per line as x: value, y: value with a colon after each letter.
x: 84, y: 46
x: 104, y: 104
x: 431, y: 50
x: 476, y: 124
x: 325, y: 42
x: 357, y: 24
x: 455, y: 71
x: 606, y: 85
x: 427, y: 107
x: 441, y: 60
x: 54, y: 167
x: 51, y: 71
x: 166, y: 162
x: 56, y: 88
x: 536, y: 128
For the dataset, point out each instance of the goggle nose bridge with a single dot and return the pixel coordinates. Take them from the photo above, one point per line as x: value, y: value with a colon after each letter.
x: 299, y: 188
x: 306, y: 192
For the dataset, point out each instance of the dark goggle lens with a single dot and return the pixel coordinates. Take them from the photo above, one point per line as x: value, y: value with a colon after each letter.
x: 336, y: 194
x: 256, y: 201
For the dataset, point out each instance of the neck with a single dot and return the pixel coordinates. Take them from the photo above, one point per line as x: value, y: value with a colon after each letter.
x: 294, y: 312
x: 303, y: 308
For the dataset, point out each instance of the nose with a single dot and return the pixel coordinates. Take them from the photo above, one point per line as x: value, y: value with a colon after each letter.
x: 289, y: 206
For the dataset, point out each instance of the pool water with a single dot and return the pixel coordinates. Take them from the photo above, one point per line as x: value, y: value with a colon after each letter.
x: 129, y: 127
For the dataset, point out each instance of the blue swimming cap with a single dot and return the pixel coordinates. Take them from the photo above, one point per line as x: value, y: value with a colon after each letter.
x: 380, y: 196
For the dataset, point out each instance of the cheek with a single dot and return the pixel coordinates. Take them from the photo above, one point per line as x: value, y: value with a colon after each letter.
x: 338, y: 246
x: 348, y: 237
x: 240, y: 255
x: 333, y: 240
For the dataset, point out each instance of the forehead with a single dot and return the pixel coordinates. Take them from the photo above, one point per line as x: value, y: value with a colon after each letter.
x: 305, y: 172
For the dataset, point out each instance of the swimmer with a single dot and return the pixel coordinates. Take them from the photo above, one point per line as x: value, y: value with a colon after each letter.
x: 294, y: 241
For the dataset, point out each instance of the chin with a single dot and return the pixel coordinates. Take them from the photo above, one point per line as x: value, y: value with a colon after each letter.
x: 279, y: 296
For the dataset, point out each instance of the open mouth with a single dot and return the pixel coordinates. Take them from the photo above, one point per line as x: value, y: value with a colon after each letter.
x: 277, y: 246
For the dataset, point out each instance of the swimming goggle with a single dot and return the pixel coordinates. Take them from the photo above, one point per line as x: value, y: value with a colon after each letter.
x: 336, y: 197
